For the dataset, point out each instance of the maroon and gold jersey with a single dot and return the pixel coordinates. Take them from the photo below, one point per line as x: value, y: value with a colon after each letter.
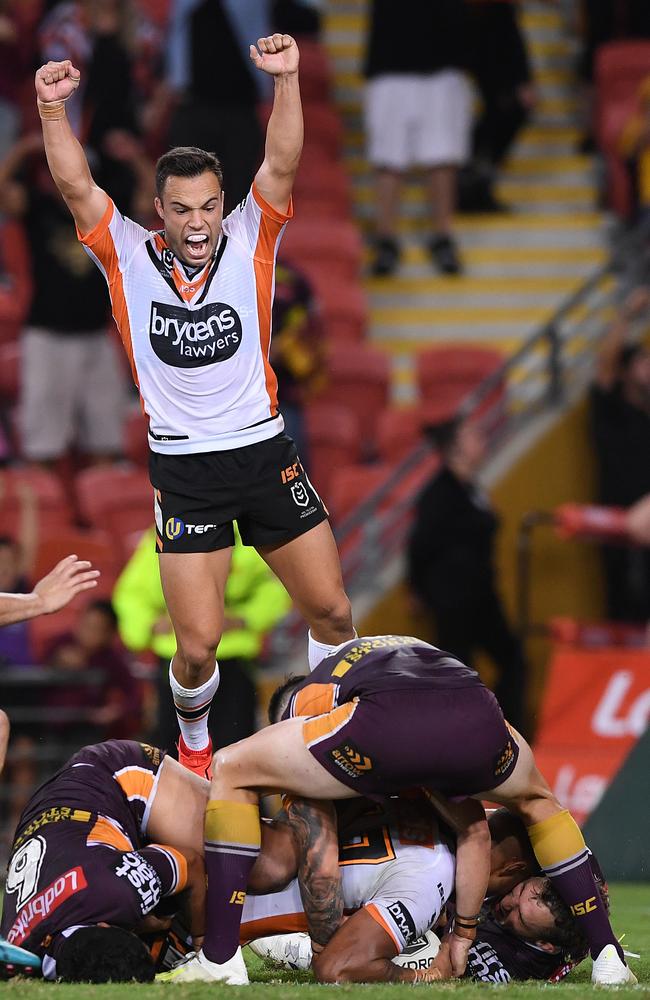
x: 80, y: 854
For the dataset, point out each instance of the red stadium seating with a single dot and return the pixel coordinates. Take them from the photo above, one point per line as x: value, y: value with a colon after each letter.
x: 343, y: 304
x: 326, y: 243
x: 54, y: 513
x: 117, y: 500
x: 323, y: 131
x: 358, y: 378
x: 620, y: 67
x: 97, y: 546
x: 315, y: 73
x: 353, y: 484
x: 333, y: 434
x: 398, y: 432
x: 136, y: 442
x: 445, y: 375
x: 9, y: 372
x: 43, y: 630
x: 321, y: 184
x: 16, y: 289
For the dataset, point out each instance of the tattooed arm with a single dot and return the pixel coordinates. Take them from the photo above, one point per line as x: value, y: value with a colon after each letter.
x: 313, y: 823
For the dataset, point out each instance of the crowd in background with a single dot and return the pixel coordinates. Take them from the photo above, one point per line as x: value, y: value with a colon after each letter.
x: 152, y: 77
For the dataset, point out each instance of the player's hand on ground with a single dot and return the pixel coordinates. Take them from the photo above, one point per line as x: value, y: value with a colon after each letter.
x: 56, y: 81
x: 68, y: 578
x: 458, y: 952
x: 276, y: 54
x: 440, y: 968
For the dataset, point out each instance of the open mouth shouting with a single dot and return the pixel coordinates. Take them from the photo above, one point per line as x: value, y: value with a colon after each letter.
x: 197, y: 246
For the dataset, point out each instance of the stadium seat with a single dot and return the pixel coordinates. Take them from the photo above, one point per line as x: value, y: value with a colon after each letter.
x: 117, y: 500
x: 446, y: 375
x: 343, y: 305
x: 333, y: 435
x: 9, y: 373
x: 54, y: 512
x: 620, y: 67
x: 323, y: 131
x: 16, y: 289
x: 398, y: 432
x: 97, y: 546
x: 358, y: 378
x: 352, y: 484
x: 43, y: 630
x: 320, y: 182
x: 315, y: 73
x: 135, y: 439
x: 329, y: 243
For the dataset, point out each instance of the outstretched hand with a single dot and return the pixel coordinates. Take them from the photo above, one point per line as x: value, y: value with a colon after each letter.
x: 56, y: 81
x: 276, y: 54
x: 68, y: 578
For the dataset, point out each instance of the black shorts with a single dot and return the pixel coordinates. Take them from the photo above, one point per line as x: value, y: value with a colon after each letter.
x: 262, y: 486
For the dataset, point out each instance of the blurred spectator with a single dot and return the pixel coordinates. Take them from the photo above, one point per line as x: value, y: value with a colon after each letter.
x: 620, y: 408
x: 634, y: 147
x: 216, y: 90
x: 112, y: 704
x: 67, y: 330
x: 297, y: 17
x: 499, y: 64
x: 296, y: 350
x: 100, y: 38
x: 418, y: 114
x: 451, y: 565
x: 255, y: 601
x: 17, y: 49
x: 17, y: 559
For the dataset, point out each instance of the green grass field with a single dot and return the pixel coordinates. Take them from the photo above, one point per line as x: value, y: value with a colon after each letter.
x: 630, y: 905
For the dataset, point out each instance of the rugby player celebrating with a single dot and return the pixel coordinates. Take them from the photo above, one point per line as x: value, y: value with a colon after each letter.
x: 193, y: 307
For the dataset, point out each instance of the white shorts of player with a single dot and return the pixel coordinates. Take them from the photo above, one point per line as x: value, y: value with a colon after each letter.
x: 418, y: 120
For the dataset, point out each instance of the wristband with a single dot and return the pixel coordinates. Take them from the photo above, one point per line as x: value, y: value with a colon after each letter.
x: 474, y: 919
x: 51, y: 111
x: 462, y: 931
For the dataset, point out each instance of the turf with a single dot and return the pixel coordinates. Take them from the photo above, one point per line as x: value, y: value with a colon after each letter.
x: 630, y: 905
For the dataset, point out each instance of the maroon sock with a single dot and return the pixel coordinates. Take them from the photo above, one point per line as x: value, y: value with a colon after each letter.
x: 575, y: 882
x: 232, y: 844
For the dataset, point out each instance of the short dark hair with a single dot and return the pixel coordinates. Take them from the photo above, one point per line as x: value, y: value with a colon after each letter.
x: 105, y: 608
x: 566, y: 934
x: 281, y: 696
x: 104, y: 955
x: 186, y: 161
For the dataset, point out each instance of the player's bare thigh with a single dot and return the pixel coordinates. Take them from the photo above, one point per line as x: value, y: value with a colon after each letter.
x: 526, y: 791
x: 178, y: 811
x: 274, y: 760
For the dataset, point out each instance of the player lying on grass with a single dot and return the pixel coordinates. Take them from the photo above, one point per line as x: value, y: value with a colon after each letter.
x: 119, y: 827
x: 379, y: 715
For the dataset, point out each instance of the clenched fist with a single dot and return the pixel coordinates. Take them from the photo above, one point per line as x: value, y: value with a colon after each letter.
x: 56, y: 81
x: 276, y: 54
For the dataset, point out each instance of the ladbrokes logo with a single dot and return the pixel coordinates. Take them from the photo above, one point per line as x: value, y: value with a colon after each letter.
x: 188, y: 338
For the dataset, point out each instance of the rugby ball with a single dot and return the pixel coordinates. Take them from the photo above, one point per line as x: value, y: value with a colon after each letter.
x: 420, y: 954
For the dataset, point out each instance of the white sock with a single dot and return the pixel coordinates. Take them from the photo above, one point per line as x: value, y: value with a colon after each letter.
x: 193, y: 707
x: 317, y: 651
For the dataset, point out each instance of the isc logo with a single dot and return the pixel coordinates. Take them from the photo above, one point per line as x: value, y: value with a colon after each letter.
x: 291, y: 472
x: 238, y: 897
x: 580, y: 909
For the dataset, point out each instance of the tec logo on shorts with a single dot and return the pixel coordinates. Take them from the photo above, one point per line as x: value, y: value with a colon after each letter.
x: 176, y: 528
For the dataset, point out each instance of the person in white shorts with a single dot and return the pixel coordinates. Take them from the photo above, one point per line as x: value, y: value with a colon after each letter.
x: 418, y: 114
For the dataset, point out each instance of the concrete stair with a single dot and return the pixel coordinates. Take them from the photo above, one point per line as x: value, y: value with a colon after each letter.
x: 520, y: 266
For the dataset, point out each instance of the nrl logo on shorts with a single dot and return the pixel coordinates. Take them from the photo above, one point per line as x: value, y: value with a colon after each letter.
x: 300, y: 494
x: 192, y: 338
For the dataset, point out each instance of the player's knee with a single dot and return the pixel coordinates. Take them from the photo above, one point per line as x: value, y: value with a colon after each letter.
x: 197, y: 656
x: 336, y: 615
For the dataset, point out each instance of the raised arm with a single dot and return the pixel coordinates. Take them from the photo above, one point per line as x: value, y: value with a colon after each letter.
x: 278, y: 55
x: 55, y: 82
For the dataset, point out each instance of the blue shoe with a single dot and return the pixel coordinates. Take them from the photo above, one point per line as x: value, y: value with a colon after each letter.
x: 11, y: 954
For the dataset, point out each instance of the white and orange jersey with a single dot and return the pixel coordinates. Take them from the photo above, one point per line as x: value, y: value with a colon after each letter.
x: 198, y: 344
x: 403, y: 886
